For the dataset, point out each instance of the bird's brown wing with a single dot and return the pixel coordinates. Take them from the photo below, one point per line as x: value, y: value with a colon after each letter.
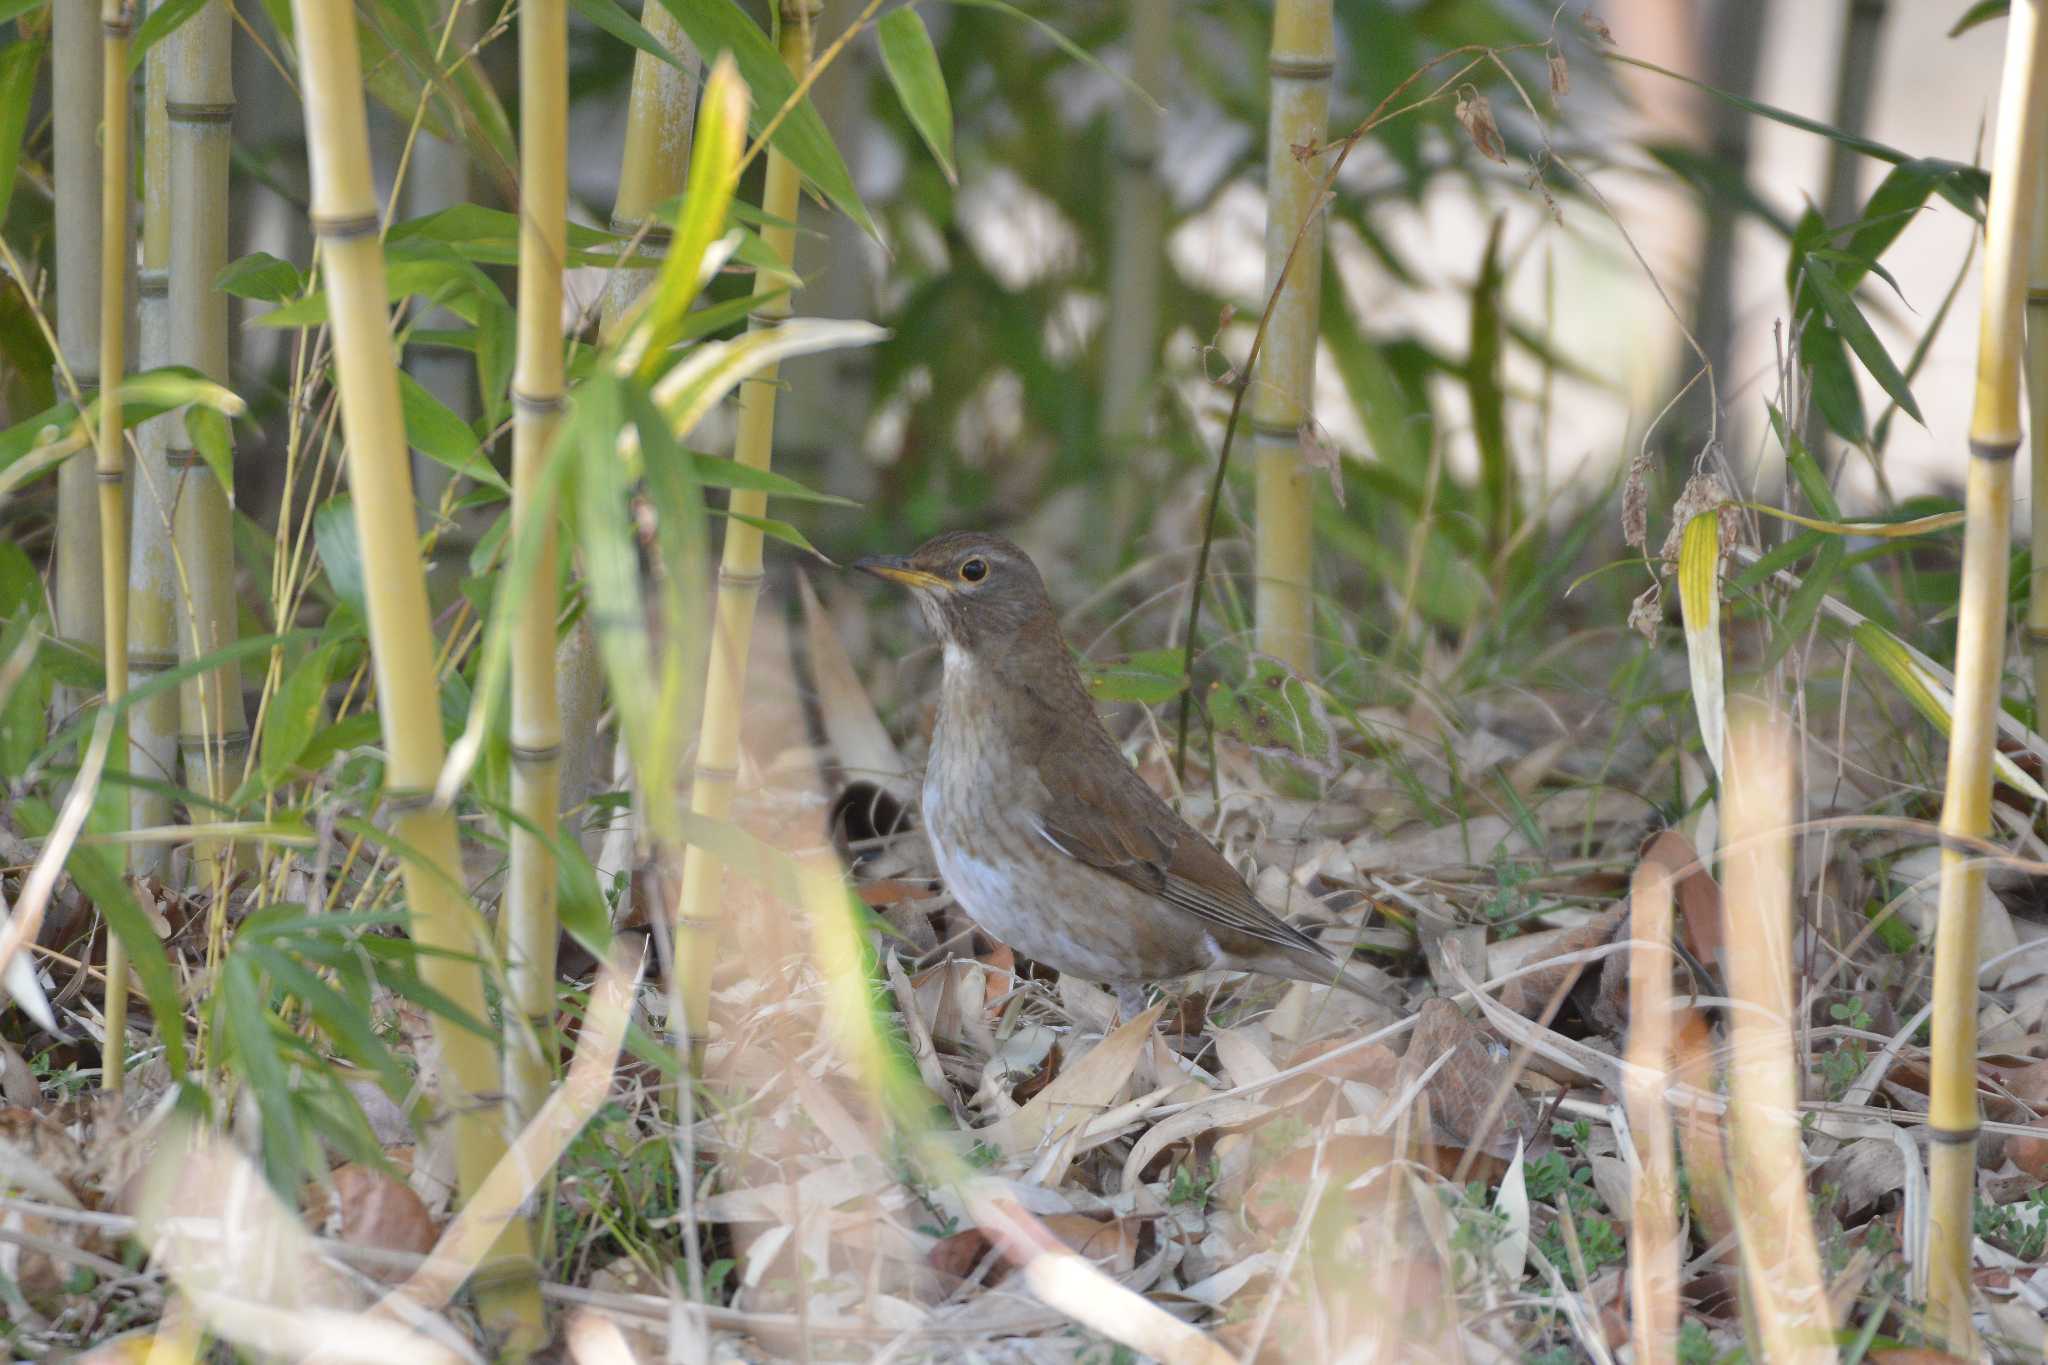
x: 1105, y: 816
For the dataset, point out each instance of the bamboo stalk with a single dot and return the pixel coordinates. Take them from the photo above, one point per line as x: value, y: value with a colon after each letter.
x: 698, y: 912
x: 1302, y: 59
x: 527, y: 923
x: 75, y: 65
x: 152, y: 574
x: 1780, y: 1259
x: 344, y: 216
x: 111, y: 465
x: 438, y: 178
x: 1980, y: 660
x: 199, y: 102
x: 1653, y: 1239
x: 660, y: 113
x: 1137, y: 255
x: 2037, y: 423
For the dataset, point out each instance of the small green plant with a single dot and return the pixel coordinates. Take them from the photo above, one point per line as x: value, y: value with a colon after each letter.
x: 1840, y: 1067
x: 2019, y: 1228
x: 1192, y: 1184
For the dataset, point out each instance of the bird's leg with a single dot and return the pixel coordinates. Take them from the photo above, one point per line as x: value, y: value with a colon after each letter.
x: 1130, y: 1000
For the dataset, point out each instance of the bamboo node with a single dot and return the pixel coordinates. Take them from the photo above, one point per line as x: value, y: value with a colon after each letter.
x: 733, y: 578
x: 341, y: 227
x: 535, y: 754
x: 1952, y: 1137
x: 153, y: 284
x: 762, y: 319
x: 650, y: 231
x: 2002, y: 449
x: 119, y: 474
x: 225, y: 744
x: 1267, y: 428
x: 2034, y: 635
x: 218, y: 114
x: 1291, y: 68
x: 537, y: 404
x: 149, y: 661
x: 404, y: 800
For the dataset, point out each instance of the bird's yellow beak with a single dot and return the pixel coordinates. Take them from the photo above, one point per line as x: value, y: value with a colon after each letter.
x: 897, y: 569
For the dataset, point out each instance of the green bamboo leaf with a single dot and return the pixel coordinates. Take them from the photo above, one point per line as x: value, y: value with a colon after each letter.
x: 1149, y: 677
x: 1835, y: 391
x: 344, y: 1021
x: 718, y: 471
x: 1930, y: 698
x: 1983, y: 12
x: 165, y: 18
x: 1855, y: 330
x: 294, y: 715
x: 19, y: 64
x: 488, y: 236
x: 1064, y: 44
x: 700, y: 217
x: 913, y: 66
x: 718, y: 26
x: 14, y: 9
x: 340, y: 552
x: 607, y: 15
x: 246, y: 1022
x: 1489, y: 399
x: 261, y: 276
x: 779, y: 530
x: 210, y: 437
x: 435, y: 431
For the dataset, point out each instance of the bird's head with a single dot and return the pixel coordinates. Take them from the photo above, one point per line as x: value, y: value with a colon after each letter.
x: 977, y: 591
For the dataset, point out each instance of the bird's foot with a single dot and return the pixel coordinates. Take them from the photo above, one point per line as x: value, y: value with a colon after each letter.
x: 1130, y: 1001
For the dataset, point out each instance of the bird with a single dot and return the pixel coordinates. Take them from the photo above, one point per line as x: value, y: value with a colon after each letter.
x: 1043, y: 833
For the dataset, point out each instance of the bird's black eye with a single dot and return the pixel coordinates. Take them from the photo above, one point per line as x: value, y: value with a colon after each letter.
x: 974, y: 570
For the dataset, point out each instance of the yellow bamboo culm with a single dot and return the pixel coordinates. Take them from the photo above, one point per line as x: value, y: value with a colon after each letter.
x: 527, y: 923
x: 1131, y: 338
x: 117, y: 21
x: 1653, y: 1230
x: 698, y: 912
x: 152, y: 574
x: 1980, y: 663
x: 1302, y: 60
x: 199, y: 103
x: 2037, y: 422
x: 1780, y: 1259
x: 345, y: 220
x: 660, y: 112
x: 75, y: 65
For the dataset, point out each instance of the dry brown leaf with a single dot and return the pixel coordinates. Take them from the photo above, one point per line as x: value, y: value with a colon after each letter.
x: 1084, y: 1089
x: 1473, y: 1099
x: 366, y: 1207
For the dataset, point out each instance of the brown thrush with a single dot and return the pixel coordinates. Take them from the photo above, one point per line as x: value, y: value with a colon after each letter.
x: 1043, y: 833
